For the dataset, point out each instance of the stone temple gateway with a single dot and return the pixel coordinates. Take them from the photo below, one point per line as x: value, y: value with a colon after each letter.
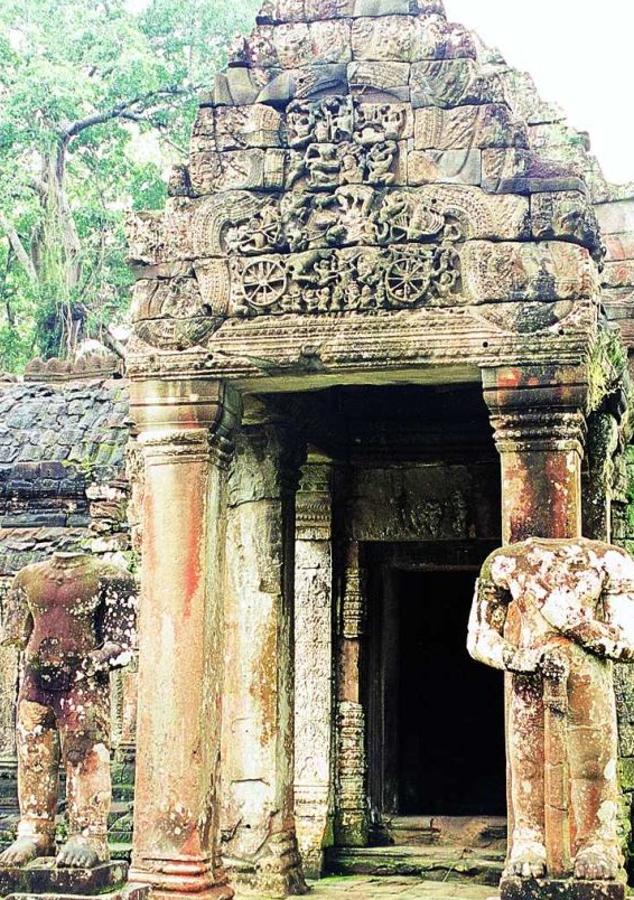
x: 375, y: 290
x: 379, y: 292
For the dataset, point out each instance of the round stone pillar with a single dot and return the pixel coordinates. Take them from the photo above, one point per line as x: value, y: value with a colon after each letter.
x: 183, y: 429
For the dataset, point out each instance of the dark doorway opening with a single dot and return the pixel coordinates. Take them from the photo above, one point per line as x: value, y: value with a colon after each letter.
x: 435, y: 717
x: 450, y: 708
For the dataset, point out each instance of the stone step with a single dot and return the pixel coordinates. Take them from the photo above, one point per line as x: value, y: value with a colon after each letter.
x: 460, y: 831
x: 429, y: 863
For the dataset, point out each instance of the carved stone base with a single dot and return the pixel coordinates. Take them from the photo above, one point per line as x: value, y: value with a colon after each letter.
x: 551, y: 889
x: 42, y: 876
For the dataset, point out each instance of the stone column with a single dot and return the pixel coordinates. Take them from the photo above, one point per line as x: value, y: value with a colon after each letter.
x: 183, y: 427
x: 258, y: 824
x: 314, y: 664
x: 351, y: 816
x: 537, y: 415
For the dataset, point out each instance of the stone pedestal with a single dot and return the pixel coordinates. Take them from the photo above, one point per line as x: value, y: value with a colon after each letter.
x: 258, y: 826
x: 183, y: 429
x: 42, y: 878
x: 552, y: 889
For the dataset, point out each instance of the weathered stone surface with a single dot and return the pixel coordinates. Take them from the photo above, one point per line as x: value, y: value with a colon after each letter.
x: 43, y: 876
x: 232, y: 128
x: 240, y: 86
x: 524, y: 172
x: 409, y: 39
x: 444, y: 167
x: 546, y: 271
x: 615, y: 218
x: 237, y: 170
x: 314, y: 605
x: 620, y: 246
x: 468, y: 127
x: 452, y: 82
x: 618, y: 274
x: 566, y: 215
x: 379, y: 81
x: 523, y: 889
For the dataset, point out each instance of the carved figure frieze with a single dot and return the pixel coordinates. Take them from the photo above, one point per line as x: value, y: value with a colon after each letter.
x: 353, y: 279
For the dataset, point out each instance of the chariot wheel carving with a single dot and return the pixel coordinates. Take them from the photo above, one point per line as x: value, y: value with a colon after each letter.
x: 264, y: 282
x: 407, y: 280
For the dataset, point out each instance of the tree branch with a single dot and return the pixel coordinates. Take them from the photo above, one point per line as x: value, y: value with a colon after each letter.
x: 18, y: 248
x: 128, y: 108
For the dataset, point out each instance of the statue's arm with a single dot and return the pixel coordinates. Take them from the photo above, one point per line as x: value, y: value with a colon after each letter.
x: 486, y: 642
x: 619, y: 601
x: 600, y: 635
x: 17, y: 622
x: 118, y: 623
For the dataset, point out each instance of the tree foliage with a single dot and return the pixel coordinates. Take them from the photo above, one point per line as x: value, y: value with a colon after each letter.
x: 97, y: 98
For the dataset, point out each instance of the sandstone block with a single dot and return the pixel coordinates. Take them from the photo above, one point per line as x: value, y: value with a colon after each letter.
x: 380, y: 79
x: 237, y: 170
x: 409, y: 39
x: 550, y: 889
x: 444, y: 167
x: 566, y: 215
x: 620, y: 246
x: 618, y: 274
x: 524, y: 172
x: 481, y: 127
x: 615, y: 218
x: 452, y: 82
x: 330, y: 41
x: 239, y: 86
x: 235, y: 127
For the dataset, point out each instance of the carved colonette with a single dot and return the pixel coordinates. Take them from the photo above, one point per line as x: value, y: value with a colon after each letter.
x: 351, y: 818
x: 183, y: 428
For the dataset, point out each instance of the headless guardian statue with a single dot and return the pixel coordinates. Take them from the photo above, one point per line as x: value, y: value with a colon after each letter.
x: 74, y: 618
x: 555, y: 614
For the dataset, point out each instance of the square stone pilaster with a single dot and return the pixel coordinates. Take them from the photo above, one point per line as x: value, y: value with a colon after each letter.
x: 258, y: 822
x: 314, y: 663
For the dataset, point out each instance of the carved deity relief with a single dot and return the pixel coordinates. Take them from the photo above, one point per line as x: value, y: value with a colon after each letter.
x: 554, y: 614
x: 74, y: 618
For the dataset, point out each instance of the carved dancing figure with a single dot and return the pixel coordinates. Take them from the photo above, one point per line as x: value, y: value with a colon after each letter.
x: 554, y: 614
x: 74, y: 618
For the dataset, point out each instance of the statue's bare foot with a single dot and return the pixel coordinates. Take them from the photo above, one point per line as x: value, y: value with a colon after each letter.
x: 598, y: 862
x: 527, y: 859
x: 25, y: 849
x: 82, y: 852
